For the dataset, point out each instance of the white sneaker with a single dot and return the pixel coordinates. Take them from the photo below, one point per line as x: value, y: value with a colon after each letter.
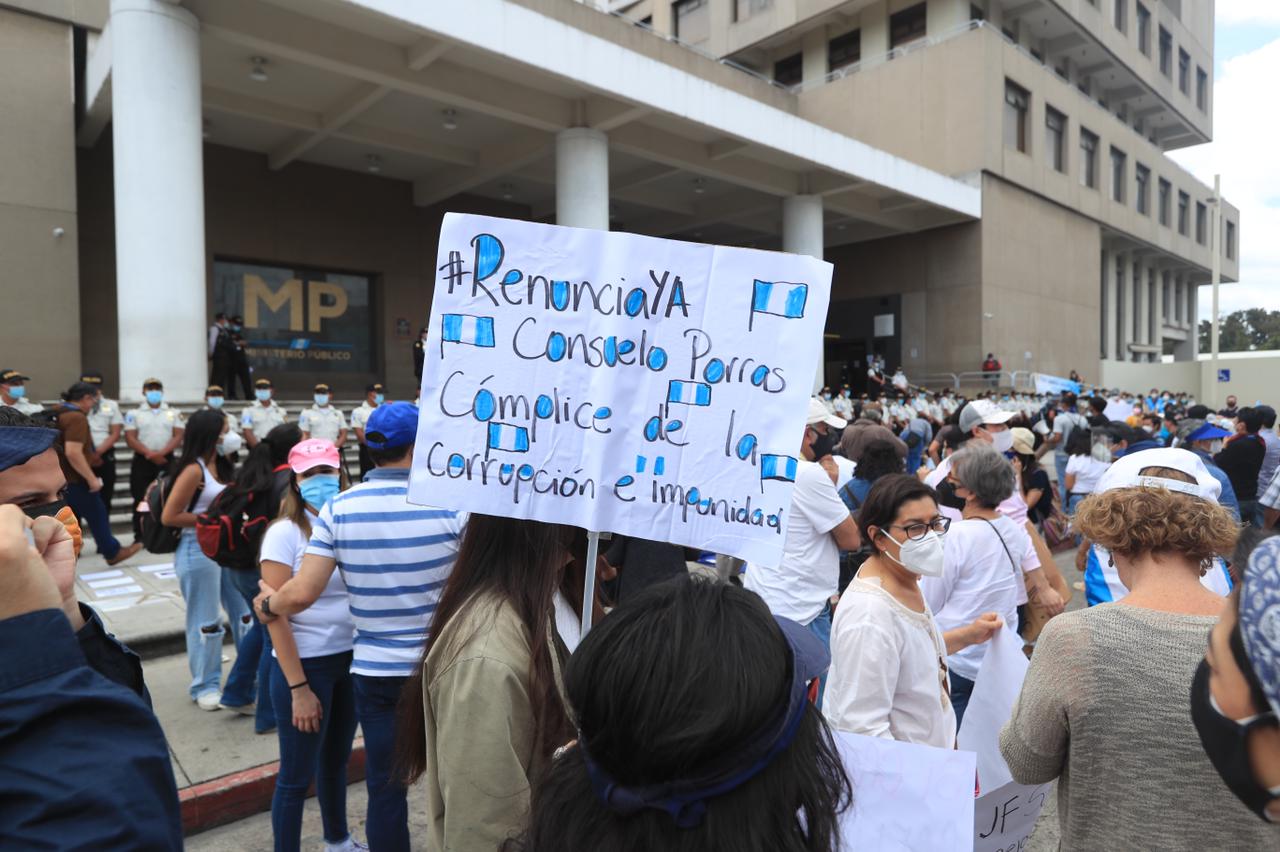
x: 348, y: 845
x: 210, y: 701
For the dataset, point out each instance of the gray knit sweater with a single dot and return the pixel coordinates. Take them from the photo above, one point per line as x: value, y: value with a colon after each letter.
x: 1106, y: 709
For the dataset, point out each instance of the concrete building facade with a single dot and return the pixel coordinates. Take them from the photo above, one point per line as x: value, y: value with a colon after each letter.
x: 985, y: 177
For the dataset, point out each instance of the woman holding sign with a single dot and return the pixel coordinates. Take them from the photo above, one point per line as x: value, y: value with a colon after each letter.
x: 888, y: 656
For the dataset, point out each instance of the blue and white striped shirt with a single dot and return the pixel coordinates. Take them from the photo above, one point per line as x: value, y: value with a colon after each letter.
x: 395, y: 558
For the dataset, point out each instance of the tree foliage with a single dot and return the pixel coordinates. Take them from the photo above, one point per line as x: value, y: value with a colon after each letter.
x: 1244, y: 331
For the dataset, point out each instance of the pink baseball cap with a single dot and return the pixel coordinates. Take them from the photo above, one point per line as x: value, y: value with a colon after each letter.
x: 313, y: 453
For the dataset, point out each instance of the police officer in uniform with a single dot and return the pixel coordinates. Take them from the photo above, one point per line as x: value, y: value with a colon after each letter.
x: 239, y: 361
x: 419, y: 353
x: 374, y: 396
x: 153, y: 431
x: 13, y: 392
x: 322, y: 420
x: 106, y: 422
x: 263, y: 415
x: 214, y: 399
x: 222, y: 350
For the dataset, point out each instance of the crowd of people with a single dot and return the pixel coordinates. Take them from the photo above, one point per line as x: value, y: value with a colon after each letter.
x: 701, y: 711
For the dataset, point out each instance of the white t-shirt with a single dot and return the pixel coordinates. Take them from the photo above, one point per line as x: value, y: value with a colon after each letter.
x: 978, y: 577
x: 325, y: 627
x: 1088, y: 471
x: 886, y: 670
x: 809, y: 573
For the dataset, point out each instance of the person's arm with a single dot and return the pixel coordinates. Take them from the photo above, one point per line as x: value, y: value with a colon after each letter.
x: 176, y: 512
x: 935, y: 450
x: 1269, y: 517
x: 174, y: 442
x: 982, y: 629
x: 250, y: 438
x: 306, y: 707
x: 75, y: 458
x: 1033, y: 496
x: 213, y: 339
x: 113, y: 437
x: 1035, y: 740
x: 342, y: 432
x: 846, y: 534
x: 131, y: 438
x: 1070, y: 483
x: 859, y: 693
x: 300, y: 592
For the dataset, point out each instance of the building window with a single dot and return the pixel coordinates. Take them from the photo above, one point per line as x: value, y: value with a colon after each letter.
x: 1122, y: 15
x: 1016, y: 101
x: 1184, y: 205
x: 1142, y: 188
x: 1055, y: 125
x: 1162, y: 201
x: 1184, y: 72
x: 1088, y: 159
x: 1166, y: 53
x: 692, y: 19
x: 1231, y: 241
x: 907, y: 26
x: 844, y: 50
x: 1202, y: 89
x: 976, y: 13
x: 1117, y: 175
x: 1144, y: 30
x: 789, y: 70
x: 744, y: 9
x: 1202, y: 223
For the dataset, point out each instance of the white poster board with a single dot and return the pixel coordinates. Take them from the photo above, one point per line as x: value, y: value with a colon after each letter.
x: 1117, y: 410
x: 1047, y: 384
x: 906, y: 796
x: 619, y: 383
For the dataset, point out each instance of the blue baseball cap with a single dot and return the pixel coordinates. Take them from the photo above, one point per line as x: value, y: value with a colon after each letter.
x: 392, y: 425
x: 1208, y: 432
x: 20, y: 444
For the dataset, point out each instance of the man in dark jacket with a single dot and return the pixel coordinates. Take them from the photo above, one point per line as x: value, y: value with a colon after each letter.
x: 1241, y: 458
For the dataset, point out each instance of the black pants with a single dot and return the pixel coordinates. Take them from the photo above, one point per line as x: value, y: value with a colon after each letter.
x: 142, y: 473
x: 220, y: 373
x: 107, y: 473
x: 240, y: 370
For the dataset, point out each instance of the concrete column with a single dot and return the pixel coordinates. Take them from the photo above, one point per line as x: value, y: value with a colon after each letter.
x: 802, y: 234
x: 1158, y: 313
x: 664, y: 20
x: 814, y: 47
x: 157, y: 142
x: 1188, y: 349
x: 875, y: 33
x: 1142, y: 306
x: 582, y: 178
x: 943, y: 16
x: 1125, y: 282
x: 1110, y: 306
x: 1175, y: 298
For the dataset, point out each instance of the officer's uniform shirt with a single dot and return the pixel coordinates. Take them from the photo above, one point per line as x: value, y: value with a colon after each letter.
x: 360, y: 416
x: 320, y: 422
x: 155, y: 426
x: 26, y: 406
x: 105, y: 416
x: 231, y: 419
x: 263, y: 418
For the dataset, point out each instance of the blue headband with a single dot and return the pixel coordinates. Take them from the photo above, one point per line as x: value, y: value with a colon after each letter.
x: 19, y: 444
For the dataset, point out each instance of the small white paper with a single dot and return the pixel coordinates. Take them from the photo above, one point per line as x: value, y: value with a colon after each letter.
x: 101, y: 575
x: 166, y: 574
x: 109, y: 582
x: 158, y: 567
x: 994, y: 692
x: 119, y: 590
x: 906, y: 797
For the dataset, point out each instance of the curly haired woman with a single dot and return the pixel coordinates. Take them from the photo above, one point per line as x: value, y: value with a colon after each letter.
x: 1104, y: 705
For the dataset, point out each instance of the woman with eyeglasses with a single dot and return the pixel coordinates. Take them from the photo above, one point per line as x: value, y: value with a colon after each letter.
x: 888, y: 674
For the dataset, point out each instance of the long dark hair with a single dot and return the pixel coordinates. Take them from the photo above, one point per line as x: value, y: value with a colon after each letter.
x: 523, y: 564
x: 200, y: 440
x: 879, y: 457
x: 666, y: 688
x: 257, y: 474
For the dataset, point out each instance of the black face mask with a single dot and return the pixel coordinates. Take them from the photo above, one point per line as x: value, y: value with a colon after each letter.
x: 1226, y: 743
x: 947, y: 496
x: 47, y: 510
x: 823, y: 445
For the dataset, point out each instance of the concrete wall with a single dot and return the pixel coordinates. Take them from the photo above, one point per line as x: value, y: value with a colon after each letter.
x: 304, y: 215
x: 40, y: 317
x: 1040, y: 281
x: 1253, y: 378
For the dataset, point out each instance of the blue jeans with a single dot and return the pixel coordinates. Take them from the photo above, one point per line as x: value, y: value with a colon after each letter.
x: 387, y: 820
x: 821, y: 627
x: 321, y: 757
x: 89, y: 506
x: 961, y: 690
x: 253, y: 661
x: 202, y: 583
x: 1060, y: 465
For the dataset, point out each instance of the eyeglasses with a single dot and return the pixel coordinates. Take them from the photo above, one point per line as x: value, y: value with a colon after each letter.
x: 916, y: 532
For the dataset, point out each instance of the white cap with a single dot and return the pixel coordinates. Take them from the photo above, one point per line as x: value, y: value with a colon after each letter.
x: 1126, y: 473
x: 818, y: 413
x: 983, y: 412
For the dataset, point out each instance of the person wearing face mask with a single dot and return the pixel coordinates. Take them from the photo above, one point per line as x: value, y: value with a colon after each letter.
x: 82, y: 483
x: 153, y: 431
x: 1084, y: 470
x: 1235, y: 694
x: 1205, y: 441
x: 240, y: 369
x: 843, y: 404
x: 106, y: 425
x: 819, y: 526
x: 1065, y: 422
x: 1103, y: 708
x: 214, y: 400
x: 201, y: 474
x: 322, y: 420
x: 374, y: 395
x: 889, y: 674
x: 980, y: 420
x: 419, y: 354
x: 222, y: 349
x: 1241, y: 459
x: 13, y: 392
x: 262, y: 415
x: 313, y: 651
x: 990, y: 563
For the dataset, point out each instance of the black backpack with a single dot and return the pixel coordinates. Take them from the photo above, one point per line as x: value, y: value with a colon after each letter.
x: 155, y: 536
x: 230, y: 530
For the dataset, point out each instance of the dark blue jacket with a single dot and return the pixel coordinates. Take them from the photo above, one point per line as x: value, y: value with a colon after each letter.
x: 83, y: 762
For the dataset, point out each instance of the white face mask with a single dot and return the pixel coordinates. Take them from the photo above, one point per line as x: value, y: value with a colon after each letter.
x: 229, y: 444
x: 924, y: 557
x: 1002, y: 441
x: 1215, y: 447
x: 1101, y: 452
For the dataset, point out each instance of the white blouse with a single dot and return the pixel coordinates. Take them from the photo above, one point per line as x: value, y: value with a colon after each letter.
x: 888, y: 672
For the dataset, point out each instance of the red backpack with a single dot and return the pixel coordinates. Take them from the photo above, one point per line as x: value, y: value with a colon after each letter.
x: 230, y: 530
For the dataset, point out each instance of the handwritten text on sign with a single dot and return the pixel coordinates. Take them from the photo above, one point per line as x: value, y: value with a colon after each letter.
x: 615, y: 382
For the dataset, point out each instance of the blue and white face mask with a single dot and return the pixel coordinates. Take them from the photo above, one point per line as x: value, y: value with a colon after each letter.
x: 155, y: 397
x: 215, y: 401
x: 263, y: 395
x: 379, y: 398
x: 17, y: 391
x: 322, y: 399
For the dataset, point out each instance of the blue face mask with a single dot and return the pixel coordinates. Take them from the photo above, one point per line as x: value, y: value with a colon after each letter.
x: 215, y: 401
x: 322, y: 399
x: 319, y: 489
x: 263, y: 395
x: 155, y: 397
x: 17, y: 391
x: 379, y: 398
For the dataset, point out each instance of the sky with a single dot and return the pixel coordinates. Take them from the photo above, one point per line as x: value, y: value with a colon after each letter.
x: 1246, y: 147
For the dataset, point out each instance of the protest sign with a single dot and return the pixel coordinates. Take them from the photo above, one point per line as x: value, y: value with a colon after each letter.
x: 1006, y: 817
x: 906, y: 796
x: 1117, y: 409
x: 619, y: 383
x: 1047, y: 384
